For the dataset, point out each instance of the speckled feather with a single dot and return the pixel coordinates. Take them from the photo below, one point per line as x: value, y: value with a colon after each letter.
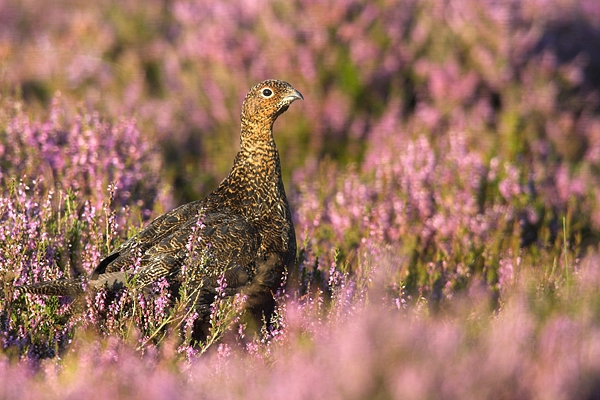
x: 246, y: 221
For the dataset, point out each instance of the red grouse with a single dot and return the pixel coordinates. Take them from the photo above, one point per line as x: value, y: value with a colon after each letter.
x: 245, y: 224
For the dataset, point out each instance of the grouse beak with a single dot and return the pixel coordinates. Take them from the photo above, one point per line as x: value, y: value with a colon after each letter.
x: 293, y: 96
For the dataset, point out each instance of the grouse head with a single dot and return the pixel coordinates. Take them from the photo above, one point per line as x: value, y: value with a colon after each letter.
x: 266, y: 101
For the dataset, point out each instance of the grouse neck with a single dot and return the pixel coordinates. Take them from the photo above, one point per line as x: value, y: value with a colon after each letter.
x: 258, y: 161
x: 254, y: 184
x: 256, y: 132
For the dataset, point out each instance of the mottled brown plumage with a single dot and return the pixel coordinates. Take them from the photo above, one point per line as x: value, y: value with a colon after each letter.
x: 246, y: 222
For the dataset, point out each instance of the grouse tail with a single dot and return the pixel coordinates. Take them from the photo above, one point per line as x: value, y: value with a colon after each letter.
x: 59, y: 287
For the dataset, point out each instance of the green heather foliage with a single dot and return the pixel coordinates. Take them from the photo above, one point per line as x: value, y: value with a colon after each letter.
x: 443, y: 172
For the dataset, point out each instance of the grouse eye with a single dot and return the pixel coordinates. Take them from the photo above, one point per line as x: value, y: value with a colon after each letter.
x: 267, y: 93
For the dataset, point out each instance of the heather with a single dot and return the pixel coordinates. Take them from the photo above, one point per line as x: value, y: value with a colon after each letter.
x: 442, y: 171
